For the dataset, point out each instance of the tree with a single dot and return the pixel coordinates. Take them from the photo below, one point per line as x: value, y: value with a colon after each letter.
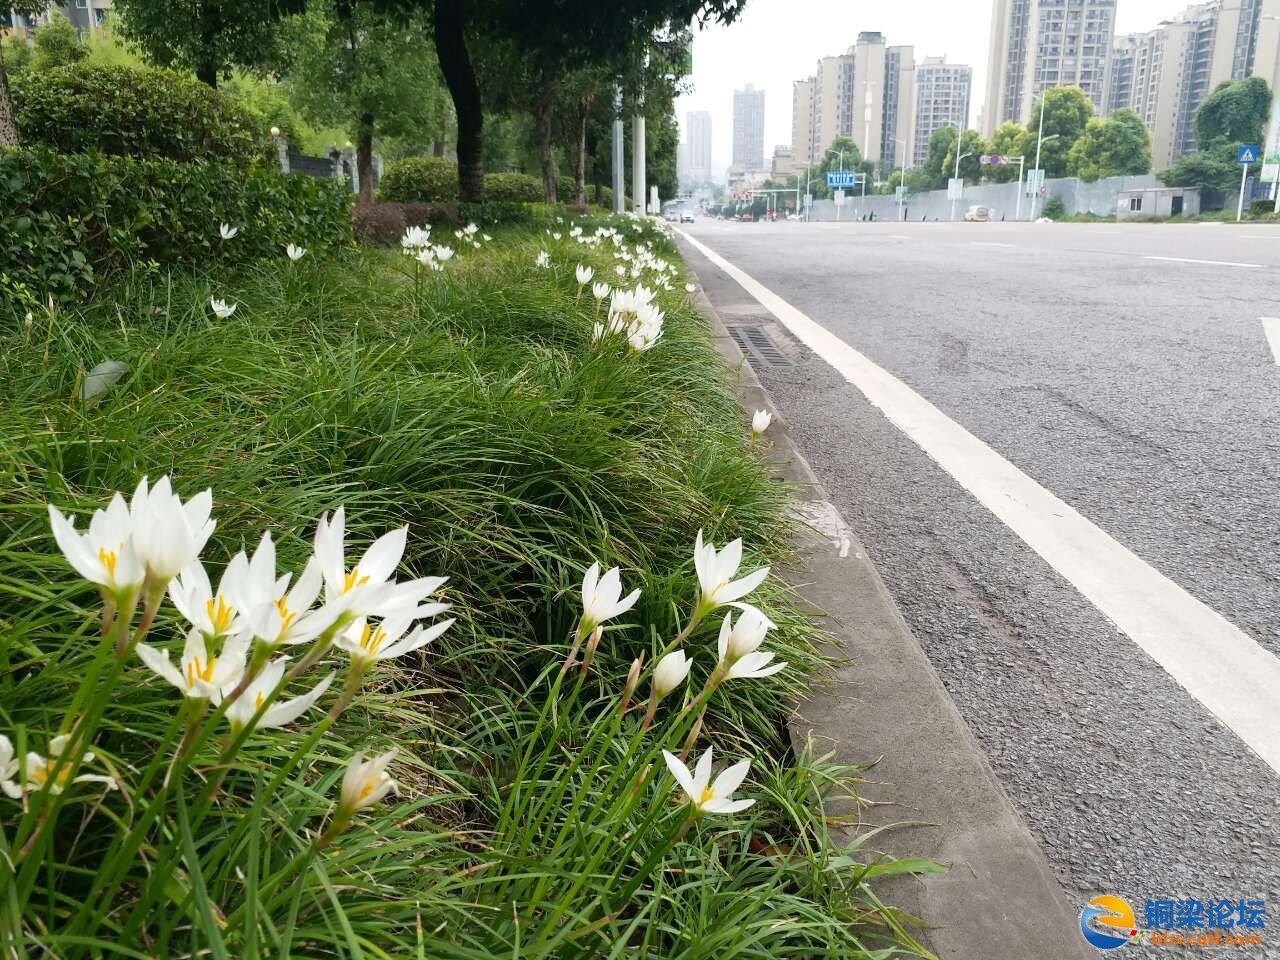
x: 841, y: 154
x: 940, y: 162
x: 356, y: 66
x: 57, y: 44
x: 1115, y: 147
x: 1066, y: 113
x: 1214, y: 169
x: 1007, y: 142
x: 208, y: 37
x: 1236, y: 112
x: 8, y: 127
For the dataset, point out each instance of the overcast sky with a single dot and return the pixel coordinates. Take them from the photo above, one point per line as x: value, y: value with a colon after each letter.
x: 777, y: 41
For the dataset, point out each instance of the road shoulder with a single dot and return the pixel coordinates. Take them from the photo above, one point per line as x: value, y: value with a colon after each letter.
x: 886, y: 710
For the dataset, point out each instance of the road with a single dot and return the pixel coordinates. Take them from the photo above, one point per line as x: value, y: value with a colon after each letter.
x: 1081, y: 638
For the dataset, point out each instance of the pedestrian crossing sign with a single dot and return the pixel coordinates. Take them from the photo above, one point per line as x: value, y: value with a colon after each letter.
x: 1247, y: 153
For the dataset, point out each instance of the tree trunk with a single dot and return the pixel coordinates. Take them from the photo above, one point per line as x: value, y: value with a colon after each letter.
x: 8, y: 128
x: 580, y: 149
x: 542, y: 120
x: 460, y: 77
x: 364, y: 157
x: 210, y: 27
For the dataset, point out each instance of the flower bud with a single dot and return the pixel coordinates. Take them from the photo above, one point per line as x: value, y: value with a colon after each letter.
x: 633, y: 681
x: 670, y: 673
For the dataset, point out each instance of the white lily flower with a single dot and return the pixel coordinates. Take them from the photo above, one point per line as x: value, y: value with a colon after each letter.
x: 281, y: 712
x: 706, y: 796
x: 689, y: 288
x: 486, y: 237
x: 476, y: 244
x: 543, y: 260
x: 620, y: 270
x: 168, y: 535
x: 8, y: 769
x: 602, y: 597
x: 415, y: 239
x: 670, y: 673
x: 760, y: 421
x: 295, y: 253
x: 213, y: 614
x: 600, y: 290
x: 716, y: 571
x: 555, y: 236
x: 443, y: 253
x: 228, y: 232
x: 105, y: 553
x: 739, y: 647
x: 222, y: 308
x: 39, y: 769
x: 583, y: 274
x: 459, y: 234
x: 366, y: 781
x: 470, y: 229
x: 368, y: 644
x: 202, y: 676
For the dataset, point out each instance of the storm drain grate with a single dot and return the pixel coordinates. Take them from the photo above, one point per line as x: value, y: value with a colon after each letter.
x: 756, y: 342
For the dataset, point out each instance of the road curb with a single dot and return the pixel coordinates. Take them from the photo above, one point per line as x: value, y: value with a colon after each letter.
x: 886, y: 710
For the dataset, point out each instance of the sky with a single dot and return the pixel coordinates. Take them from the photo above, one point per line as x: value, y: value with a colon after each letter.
x: 775, y: 42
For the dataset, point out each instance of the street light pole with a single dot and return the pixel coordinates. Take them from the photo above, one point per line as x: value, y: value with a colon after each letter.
x: 1039, y: 144
x: 959, y: 157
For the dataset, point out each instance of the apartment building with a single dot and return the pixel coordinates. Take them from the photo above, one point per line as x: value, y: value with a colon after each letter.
x: 802, y: 145
x: 85, y: 16
x: 698, y: 138
x: 748, y: 129
x: 943, y: 92
x: 1039, y: 44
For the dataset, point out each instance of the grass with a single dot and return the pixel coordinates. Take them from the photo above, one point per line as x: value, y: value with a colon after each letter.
x: 534, y: 818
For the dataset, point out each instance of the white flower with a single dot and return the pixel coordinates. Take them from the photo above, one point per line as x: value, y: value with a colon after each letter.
x: 228, y: 232
x: 202, y: 676
x: 168, y: 535
x: 689, y: 288
x: 600, y: 290
x: 459, y: 234
x: 760, y: 421
x: 427, y: 257
x: 443, y: 253
x: 222, y: 308
x: 716, y: 570
x: 39, y: 769
x: 620, y: 270
x: 213, y: 614
x: 706, y: 796
x: 415, y: 239
x: 366, y: 589
x: 543, y: 260
x: 739, y: 646
x: 8, y: 769
x: 583, y: 273
x: 602, y: 597
x: 470, y: 229
x: 555, y: 236
x: 105, y: 554
x: 476, y: 244
x: 276, y: 613
x: 366, y: 781
x: 486, y: 237
x: 670, y: 672
x: 295, y: 253
x: 281, y: 712
x: 368, y: 644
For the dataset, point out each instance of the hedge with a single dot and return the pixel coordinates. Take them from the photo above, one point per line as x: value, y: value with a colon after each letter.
x: 65, y: 219
x: 419, y: 180
x: 124, y: 111
x: 513, y: 188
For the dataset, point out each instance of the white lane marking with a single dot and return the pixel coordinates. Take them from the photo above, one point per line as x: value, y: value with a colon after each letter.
x: 1215, y: 661
x: 1271, y: 325
x: 1216, y: 263
x: 989, y: 243
x: 900, y: 236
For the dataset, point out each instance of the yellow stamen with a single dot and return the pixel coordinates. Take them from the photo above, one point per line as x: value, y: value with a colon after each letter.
x: 108, y: 559
x: 219, y: 616
x: 286, y: 615
x: 705, y: 795
x: 371, y: 640
x: 352, y: 580
x: 257, y: 701
x: 194, y: 671
x: 366, y: 790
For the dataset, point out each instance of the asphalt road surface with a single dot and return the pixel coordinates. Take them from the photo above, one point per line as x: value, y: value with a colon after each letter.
x: 1138, y: 386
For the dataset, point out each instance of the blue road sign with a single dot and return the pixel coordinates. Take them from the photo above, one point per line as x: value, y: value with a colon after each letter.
x: 842, y: 178
x: 1247, y: 154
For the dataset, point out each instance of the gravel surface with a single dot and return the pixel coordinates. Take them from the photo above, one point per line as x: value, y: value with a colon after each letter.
x: 1141, y: 392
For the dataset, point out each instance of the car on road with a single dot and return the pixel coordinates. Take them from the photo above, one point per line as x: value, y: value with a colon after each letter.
x: 686, y: 216
x: 978, y: 214
x: 746, y: 218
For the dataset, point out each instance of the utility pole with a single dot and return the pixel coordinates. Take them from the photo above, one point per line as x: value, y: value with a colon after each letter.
x: 619, y: 160
x: 956, y: 176
x: 1039, y: 143
x: 637, y: 164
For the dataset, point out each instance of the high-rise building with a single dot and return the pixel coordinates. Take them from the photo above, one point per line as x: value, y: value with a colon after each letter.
x: 897, y: 109
x: 942, y: 100
x: 1166, y: 73
x: 1039, y: 44
x: 748, y: 129
x: 831, y: 107
x: 698, y: 137
x: 802, y: 145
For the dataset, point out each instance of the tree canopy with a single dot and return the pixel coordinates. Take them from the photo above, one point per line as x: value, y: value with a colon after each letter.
x: 1066, y: 114
x: 1118, y: 146
x: 1236, y: 112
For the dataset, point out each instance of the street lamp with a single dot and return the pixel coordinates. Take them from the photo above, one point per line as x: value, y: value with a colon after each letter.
x: 959, y: 156
x: 1040, y: 173
x: 903, y: 184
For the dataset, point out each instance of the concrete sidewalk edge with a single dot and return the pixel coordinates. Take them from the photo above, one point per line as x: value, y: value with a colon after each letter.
x: 886, y: 710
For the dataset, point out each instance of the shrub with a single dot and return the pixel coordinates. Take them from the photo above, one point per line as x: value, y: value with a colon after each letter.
x: 419, y: 180
x: 384, y: 223
x: 64, y: 218
x: 1261, y: 208
x: 124, y: 111
x: 566, y: 189
x: 1054, y: 208
x: 512, y: 188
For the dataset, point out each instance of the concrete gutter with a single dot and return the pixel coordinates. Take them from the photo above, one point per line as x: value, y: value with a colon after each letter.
x: 886, y: 711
